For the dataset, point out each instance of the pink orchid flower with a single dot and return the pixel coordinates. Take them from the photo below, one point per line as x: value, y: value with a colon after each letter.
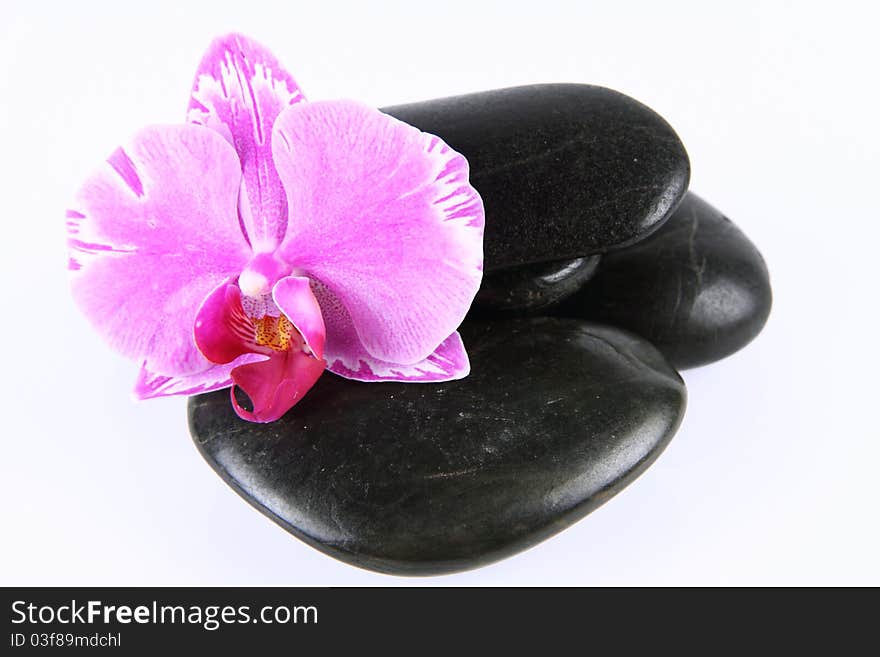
x: 270, y: 238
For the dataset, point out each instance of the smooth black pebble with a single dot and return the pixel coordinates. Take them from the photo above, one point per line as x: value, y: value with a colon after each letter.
x: 564, y: 170
x: 531, y: 288
x: 556, y: 417
x: 697, y: 288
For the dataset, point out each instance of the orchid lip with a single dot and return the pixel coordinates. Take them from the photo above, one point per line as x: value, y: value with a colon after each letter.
x: 289, y: 335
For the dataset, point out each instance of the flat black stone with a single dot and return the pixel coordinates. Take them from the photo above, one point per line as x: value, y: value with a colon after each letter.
x: 556, y: 417
x: 531, y: 288
x: 564, y: 170
x: 698, y: 289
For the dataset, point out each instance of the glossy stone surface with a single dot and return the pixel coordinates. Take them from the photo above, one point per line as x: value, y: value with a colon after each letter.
x: 698, y: 289
x: 565, y: 170
x: 556, y: 417
x: 531, y: 288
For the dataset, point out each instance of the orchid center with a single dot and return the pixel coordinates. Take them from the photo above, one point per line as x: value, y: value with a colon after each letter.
x: 271, y: 327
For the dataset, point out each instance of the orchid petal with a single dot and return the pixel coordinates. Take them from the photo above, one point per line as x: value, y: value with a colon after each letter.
x: 383, y: 215
x: 150, y: 385
x: 347, y: 357
x: 448, y: 363
x: 222, y: 330
x: 152, y: 233
x: 239, y: 90
x: 294, y: 297
x: 276, y: 384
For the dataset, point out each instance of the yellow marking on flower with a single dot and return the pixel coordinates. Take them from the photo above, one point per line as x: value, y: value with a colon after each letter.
x: 273, y: 332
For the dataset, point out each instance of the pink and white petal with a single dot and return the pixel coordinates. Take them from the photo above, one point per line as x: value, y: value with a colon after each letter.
x: 275, y: 385
x: 383, y: 215
x: 239, y: 90
x: 150, y: 385
x: 152, y: 232
x: 347, y: 357
x: 448, y: 363
x: 294, y: 297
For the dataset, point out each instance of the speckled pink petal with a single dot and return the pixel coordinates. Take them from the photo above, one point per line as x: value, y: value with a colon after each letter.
x: 294, y: 297
x: 382, y: 215
x: 239, y: 90
x: 152, y: 232
x: 347, y: 357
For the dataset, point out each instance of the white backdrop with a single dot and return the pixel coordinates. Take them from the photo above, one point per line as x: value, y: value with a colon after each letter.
x: 772, y: 478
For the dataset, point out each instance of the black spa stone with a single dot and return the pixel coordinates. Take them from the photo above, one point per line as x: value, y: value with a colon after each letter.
x: 530, y: 289
x: 564, y: 170
x: 556, y: 417
x: 698, y: 289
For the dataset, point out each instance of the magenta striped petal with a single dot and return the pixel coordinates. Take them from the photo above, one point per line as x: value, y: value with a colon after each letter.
x: 448, y: 363
x: 347, y: 357
x: 239, y: 90
x: 152, y: 233
x: 222, y: 330
x: 383, y: 216
x: 150, y: 385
